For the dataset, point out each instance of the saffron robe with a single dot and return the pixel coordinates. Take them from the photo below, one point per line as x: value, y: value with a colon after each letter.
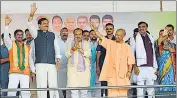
x: 115, y: 67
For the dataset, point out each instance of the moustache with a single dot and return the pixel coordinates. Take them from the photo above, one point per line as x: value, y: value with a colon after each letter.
x: 109, y: 31
x: 77, y: 38
x: 65, y: 35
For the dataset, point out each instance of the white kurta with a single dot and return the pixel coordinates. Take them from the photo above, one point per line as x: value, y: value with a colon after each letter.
x: 76, y: 78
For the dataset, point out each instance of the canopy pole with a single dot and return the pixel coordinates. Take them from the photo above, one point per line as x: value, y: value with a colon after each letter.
x: 161, y: 8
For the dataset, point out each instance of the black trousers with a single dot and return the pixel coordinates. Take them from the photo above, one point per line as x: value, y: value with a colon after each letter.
x: 103, y: 83
x: 64, y: 93
x: 104, y: 91
x: 134, y: 91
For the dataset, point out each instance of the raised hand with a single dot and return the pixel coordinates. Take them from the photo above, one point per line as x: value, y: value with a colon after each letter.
x: 93, y: 27
x: 77, y: 45
x: 33, y: 8
x: 7, y: 20
x: 165, y: 32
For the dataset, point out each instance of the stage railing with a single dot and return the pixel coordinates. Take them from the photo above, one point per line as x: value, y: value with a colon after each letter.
x: 94, y: 88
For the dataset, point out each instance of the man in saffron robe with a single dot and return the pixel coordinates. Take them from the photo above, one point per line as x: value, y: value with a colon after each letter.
x: 118, y: 63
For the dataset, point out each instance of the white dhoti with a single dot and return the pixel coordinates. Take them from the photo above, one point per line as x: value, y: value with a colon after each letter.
x: 146, y: 77
x: 46, y: 74
x: 14, y: 80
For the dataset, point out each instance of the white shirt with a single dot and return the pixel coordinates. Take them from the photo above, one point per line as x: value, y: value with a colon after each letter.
x: 32, y: 46
x: 64, y: 59
x: 174, y: 40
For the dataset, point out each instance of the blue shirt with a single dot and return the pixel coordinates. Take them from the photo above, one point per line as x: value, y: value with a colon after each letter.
x: 4, y: 53
x: 93, y: 52
x: 103, y: 52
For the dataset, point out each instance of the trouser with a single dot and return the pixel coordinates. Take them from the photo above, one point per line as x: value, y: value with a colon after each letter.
x: 65, y: 94
x: 133, y: 92
x: 104, y: 91
x: 144, y: 79
x: 79, y: 94
x: 18, y: 92
x: 14, y: 79
x: 46, y: 73
x: 96, y: 93
x: 33, y: 85
x: 62, y: 82
x: 4, y: 77
x: 103, y: 83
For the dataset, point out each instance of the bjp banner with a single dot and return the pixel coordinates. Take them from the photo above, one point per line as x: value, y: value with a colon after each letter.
x: 126, y: 20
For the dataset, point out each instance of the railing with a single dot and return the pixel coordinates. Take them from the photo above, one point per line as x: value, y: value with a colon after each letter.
x: 94, y: 88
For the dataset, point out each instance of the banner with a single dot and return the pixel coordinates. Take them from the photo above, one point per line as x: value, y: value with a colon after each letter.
x: 126, y: 20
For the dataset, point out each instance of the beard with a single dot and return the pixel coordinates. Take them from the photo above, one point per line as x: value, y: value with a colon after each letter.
x: 93, y: 38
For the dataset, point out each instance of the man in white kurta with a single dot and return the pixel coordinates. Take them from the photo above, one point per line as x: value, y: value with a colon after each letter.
x: 47, y: 55
x: 145, y: 60
x: 29, y: 41
x: 78, y: 69
x: 62, y: 72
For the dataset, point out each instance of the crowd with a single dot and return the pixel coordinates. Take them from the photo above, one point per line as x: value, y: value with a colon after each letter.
x: 86, y: 58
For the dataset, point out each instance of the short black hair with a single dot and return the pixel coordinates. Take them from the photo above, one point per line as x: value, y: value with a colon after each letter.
x: 95, y: 17
x: 107, y: 17
x: 170, y: 25
x: 2, y: 36
x: 161, y: 30
x: 91, y: 31
x: 42, y: 19
x: 26, y: 31
x: 56, y: 16
x: 77, y: 29
x: 110, y: 24
x: 142, y: 22
x: 85, y: 31
x: 135, y: 30
x: 17, y: 30
x: 63, y: 29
